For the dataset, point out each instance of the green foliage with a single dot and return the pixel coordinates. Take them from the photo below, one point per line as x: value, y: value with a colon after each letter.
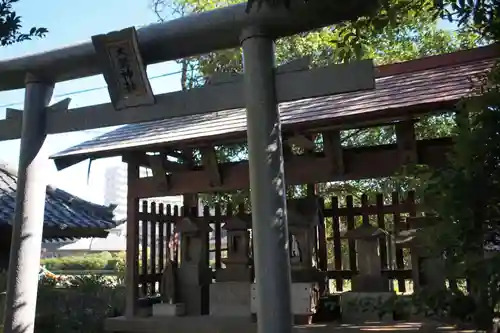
x: 472, y: 178
x: 409, y: 35
x: 328, y: 309
x: 81, y: 307
x: 409, y: 26
x: 443, y: 304
x: 481, y: 16
x: 352, y: 38
x: 100, y: 261
x: 373, y: 304
x: 465, y: 196
x: 3, y: 281
x: 428, y: 303
x: 11, y: 25
x: 120, y: 270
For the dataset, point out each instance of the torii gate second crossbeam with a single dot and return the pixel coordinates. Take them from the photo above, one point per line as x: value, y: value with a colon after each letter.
x: 218, y: 29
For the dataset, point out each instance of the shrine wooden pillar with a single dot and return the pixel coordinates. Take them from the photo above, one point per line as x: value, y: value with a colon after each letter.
x: 132, y: 254
x: 407, y: 143
x: 192, y: 208
x: 190, y: 201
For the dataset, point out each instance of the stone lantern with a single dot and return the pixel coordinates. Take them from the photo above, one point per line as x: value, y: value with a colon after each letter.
x: 427, y: 269
x: 302, y: 217
x: 302, y: 222
x: 369, y: 278
x: 194, y: 273
x: 230, y: 295
x: 238, y: 261
x: 368, y: 285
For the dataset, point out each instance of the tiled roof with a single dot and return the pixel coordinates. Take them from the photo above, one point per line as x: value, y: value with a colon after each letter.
x: 62, y: 210
x: 397, y: 92
x: 111, y: 243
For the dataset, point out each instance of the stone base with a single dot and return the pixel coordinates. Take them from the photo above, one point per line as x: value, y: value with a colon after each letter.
x: 302, y: 320
x: 168, y: 310
x: 304, y: 275
x: 305, y: 298
x: 144, y: 312
x: 297, y: 319
x: 230, y: 299
x: 360, y: 307
x: 207, y: 324
x: 234, y: 273
x: 195, y: 298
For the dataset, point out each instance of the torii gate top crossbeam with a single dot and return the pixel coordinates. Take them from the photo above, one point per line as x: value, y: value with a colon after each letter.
x: 188, y: 36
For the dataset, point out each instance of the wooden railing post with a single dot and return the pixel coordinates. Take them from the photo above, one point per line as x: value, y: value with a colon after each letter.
x: 132, y: 265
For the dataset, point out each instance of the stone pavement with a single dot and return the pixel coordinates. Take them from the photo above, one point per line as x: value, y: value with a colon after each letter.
x: 205, y: 324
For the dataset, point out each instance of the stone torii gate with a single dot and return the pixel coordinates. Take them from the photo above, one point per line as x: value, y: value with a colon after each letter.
x: 260, y: 91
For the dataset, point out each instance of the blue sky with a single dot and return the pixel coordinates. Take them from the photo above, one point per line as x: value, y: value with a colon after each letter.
x: 70, y: 24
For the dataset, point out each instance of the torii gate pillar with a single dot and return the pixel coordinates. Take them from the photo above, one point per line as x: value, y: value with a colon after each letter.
x: 27, y: 227
x: 267, y: 183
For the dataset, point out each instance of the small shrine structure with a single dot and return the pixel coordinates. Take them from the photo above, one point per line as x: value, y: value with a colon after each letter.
x: 369, y: 285
x: 404, y: 93
x: 366, y: 239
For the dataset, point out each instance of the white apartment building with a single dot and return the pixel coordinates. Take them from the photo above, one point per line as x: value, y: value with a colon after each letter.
x: 115, y: 191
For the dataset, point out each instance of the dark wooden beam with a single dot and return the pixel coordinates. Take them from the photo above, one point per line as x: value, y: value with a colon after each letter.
x: 407, y: 143
x: 332, y: 148
x: 132, y: 253
x: 177, y: 154
x: 144, y: 161
x: 287, y: 148
x: 56, y: 232
x: 361, y: 163
x: 157, y: 163
x: 287, y: 152
x: 209, y: 162
x: 190, y: 200
x: 390, y: 274
x: 301, y: 141
x: 174, y: 166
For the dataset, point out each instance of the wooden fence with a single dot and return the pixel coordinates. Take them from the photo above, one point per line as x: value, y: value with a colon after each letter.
x: 343, y: 214
x: 336, y: 257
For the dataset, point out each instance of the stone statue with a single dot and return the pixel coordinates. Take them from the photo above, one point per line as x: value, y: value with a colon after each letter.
x: 295, y: 253
x: 168, y: 287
